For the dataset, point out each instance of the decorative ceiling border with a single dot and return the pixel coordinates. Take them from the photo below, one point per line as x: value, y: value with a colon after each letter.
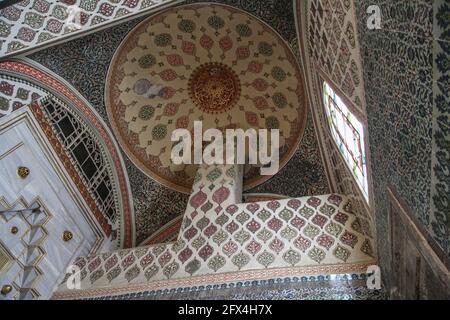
x: 31, y: 71
x: 32, y: 24
x: 213, y: 279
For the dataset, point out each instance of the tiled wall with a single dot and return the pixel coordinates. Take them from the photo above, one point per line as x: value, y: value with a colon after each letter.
x: 440, y: 158
x: 406, y: 74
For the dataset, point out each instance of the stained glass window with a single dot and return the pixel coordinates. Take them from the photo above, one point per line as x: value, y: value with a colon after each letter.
x: 348, y: 133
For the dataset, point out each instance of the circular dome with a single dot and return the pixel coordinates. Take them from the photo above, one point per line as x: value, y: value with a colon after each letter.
x: 206, y: 62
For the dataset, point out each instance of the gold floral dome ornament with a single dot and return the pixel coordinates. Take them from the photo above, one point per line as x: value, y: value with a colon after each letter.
x: 207, y: 62
x: 214, y: 87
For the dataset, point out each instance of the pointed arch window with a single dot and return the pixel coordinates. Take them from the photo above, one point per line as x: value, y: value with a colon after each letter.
x: 348, y: 134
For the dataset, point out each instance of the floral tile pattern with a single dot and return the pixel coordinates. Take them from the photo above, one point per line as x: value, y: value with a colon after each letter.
x: 406, y: 74
x: 31, y: 23
x: 16, y: 93
x: 334, y: 47
x: 440, y: 161
x: 264, y: 237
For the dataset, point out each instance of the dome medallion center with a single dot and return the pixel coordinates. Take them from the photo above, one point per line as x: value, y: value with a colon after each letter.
x: 214, y: 87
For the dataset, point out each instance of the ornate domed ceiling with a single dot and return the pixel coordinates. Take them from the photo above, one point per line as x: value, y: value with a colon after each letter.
x: 204, y: 62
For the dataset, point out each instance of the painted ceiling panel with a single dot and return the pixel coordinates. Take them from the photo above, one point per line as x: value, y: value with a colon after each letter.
x: 30, y: 24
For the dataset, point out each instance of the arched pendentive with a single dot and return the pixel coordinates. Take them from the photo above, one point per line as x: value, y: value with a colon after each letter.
x: 84, y: 136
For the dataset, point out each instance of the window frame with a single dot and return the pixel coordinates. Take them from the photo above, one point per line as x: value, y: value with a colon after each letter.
x: 368, y: 197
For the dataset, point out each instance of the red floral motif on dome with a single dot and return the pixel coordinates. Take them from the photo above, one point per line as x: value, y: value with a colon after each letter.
x: 131, y: 3
x: 325, y: 241
x: 260, y: 103
x: 146, y: 260
x: 26, y: 34
x: 214, y: 87
x: 80, y: 263
x: 260, y: 84
x: 182, y: 122
x: 106, y: 9
x: 251, y: 118
x: 298, y: 222
x: 226, y: 43
x: 167, y: 92
x: 171, y: 109
x: 168, y: 75
x: 255, y: 66
x: 206, y: 42
x: 188, y: 47
x: 232, y: 227
x: 302, y: 243
x: 128, y: 261
x: 35, y: 96
x: 242, y: 53
x: 319, y: 220
x: 175, y: 59
x: 94, y: 264
x: 111, y: 262
x: 341, y: 218
x: 11, y: 13
x: 349, y: 239
x: 210, y: 230
x: 229, y: 248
